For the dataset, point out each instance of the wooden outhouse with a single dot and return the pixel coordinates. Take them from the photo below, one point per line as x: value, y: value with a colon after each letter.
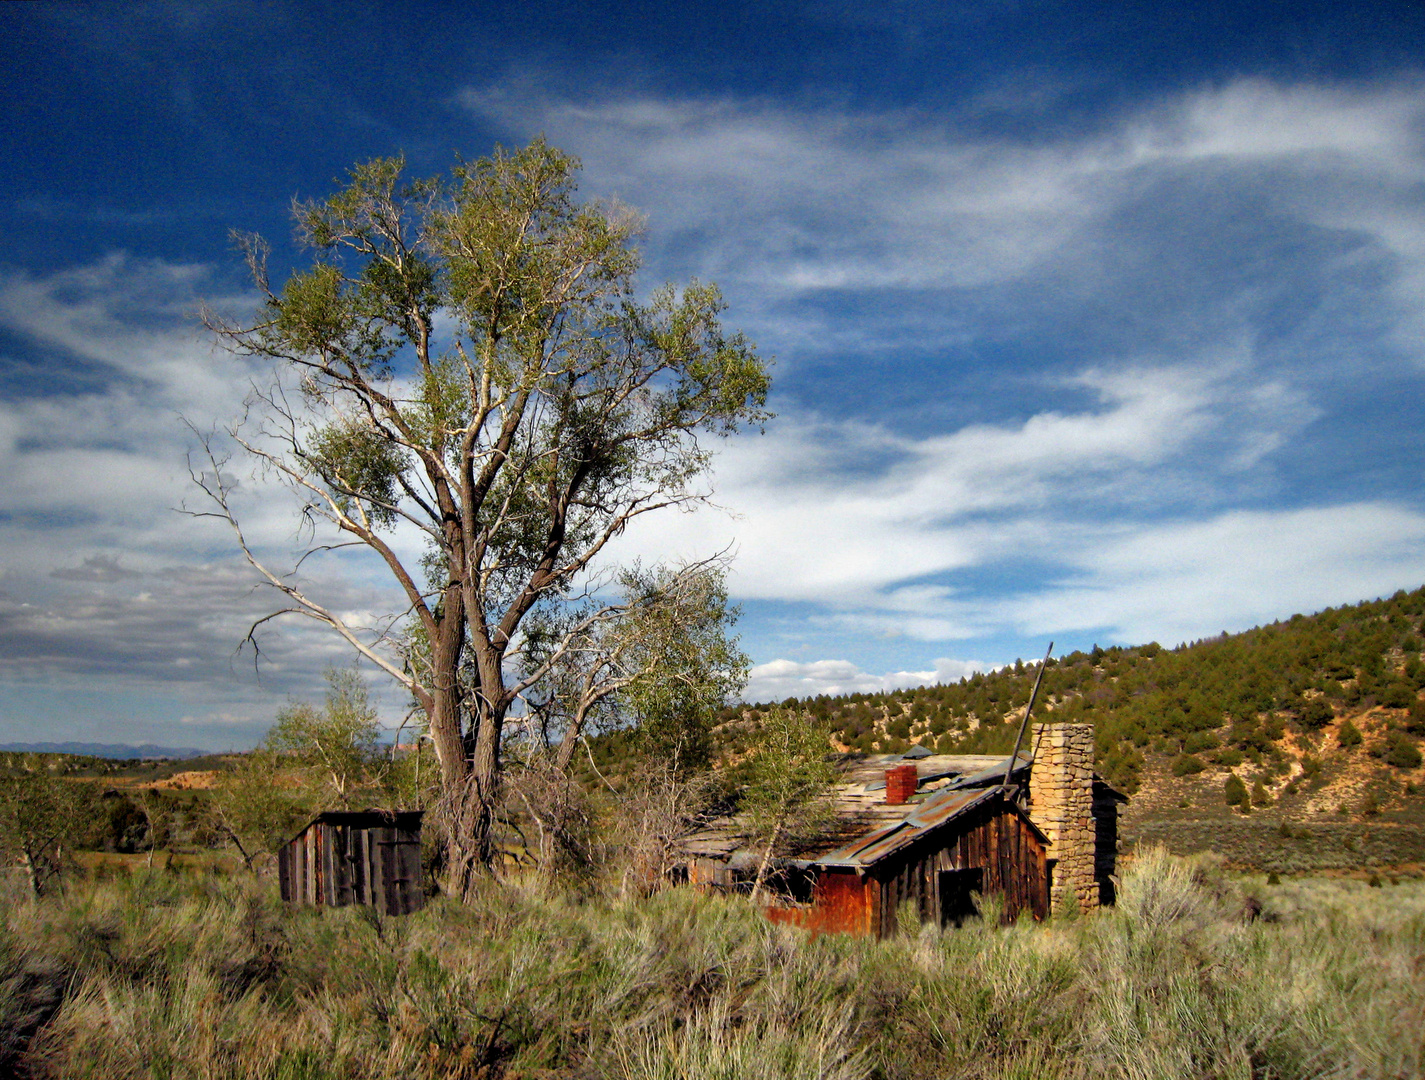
x: 356, y: 857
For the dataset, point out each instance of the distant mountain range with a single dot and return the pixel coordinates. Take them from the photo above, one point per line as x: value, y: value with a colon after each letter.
x: 105, y: 750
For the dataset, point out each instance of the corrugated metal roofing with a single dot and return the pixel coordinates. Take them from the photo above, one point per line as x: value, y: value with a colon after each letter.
x: 944, y: 806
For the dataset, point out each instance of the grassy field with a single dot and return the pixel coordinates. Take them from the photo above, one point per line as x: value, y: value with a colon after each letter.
x: 1195, y: 974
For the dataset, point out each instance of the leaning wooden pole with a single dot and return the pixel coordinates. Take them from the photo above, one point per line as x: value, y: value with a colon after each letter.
x: 1024, y: 724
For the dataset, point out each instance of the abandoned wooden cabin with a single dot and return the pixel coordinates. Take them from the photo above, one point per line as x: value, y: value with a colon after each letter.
x: 934, y: 830
x: 356, y: 857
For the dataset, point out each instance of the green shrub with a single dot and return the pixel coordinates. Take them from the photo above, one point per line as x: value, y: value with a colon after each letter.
x: 1348, y: 736
x: 1397, y: 695
x: 1234, y: 791
x: 1415, y: 719
x: 1315, y: 713
x: 1186, y: 765
x: 1198, y: 741
x: 1401, y: 751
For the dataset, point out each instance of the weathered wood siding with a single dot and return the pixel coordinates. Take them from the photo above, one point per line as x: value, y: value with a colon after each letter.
x: 842, y: 903
x: 355, y: 859
x: 992, y: 839
x: 1009, y: 858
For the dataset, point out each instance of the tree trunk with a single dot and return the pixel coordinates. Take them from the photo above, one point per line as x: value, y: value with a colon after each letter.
x: 485, y: 783
x: 766, y: 859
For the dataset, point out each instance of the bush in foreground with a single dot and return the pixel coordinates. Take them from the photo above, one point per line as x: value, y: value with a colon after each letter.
x: 161, y: 976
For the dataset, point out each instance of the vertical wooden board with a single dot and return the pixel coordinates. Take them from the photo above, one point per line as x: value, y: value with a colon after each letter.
x: 323, y: 855
x: 374, y: 870
x: 412, y: 894
x: 309, y: 886
x: 341, y: 865
x: 284, y: 869
x: 299, y: 850
x: 299, y: 869
x: 351, y: 864
x: 1003, y: 850
x: 386, y: 843
x: 325, y: 838
x: 362, y: 851
x: 1016, y: 871
x: 331, y: 865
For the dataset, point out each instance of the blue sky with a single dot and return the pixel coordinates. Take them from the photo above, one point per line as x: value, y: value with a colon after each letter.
x: 1100, y: 324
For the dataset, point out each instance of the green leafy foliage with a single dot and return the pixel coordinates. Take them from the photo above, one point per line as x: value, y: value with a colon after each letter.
x: 476, y: 363
x: 1186, y: 765
x: 335, y: 746
x: 1348, y: 736
x: 40, y: 814
x: 1401, y: 751
x: 785, y: 782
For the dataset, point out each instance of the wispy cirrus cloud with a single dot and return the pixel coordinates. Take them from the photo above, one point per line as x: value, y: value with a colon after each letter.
x: 805, y: 199
x: 899, y: 509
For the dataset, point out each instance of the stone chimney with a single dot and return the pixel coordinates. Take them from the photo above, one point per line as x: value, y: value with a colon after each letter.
x: 1061, y: 803
x: 901, y: 782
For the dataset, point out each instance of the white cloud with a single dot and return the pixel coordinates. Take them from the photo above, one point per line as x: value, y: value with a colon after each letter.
x: 1185, y: 580
x: 857, y: 537
x: 793, y: 200
x: 778, y: 680
x: 1150, y: 491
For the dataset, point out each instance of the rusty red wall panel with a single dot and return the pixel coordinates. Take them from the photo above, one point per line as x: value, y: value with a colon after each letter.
x: 993, y: 839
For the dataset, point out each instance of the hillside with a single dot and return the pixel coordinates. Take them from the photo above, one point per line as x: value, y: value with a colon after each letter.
x: 1292, y: 745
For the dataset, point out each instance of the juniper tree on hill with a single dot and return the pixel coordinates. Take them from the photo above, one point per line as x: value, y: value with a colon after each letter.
x: 466, y: 356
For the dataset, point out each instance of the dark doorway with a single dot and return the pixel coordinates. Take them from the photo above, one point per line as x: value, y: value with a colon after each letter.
x: 957, y: 889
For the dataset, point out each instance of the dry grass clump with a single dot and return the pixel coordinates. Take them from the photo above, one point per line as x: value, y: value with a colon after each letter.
x: 164, y: 976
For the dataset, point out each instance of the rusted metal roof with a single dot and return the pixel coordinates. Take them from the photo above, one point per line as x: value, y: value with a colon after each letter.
x: 950, y: 785
x: 940, y: 808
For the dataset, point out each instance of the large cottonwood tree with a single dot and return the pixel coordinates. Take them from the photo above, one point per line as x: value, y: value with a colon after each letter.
x: 466, y: 356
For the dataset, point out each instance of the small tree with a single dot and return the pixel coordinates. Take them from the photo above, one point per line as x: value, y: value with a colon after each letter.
x: 1234, y: 791
x: 662, y: 658
x: 1401, y: 751
x: 39, y: 815
x: 1348, y: 736
x: 1315, y: 713
x: 788, y: 783
x: 1415, y: 719
x: 253, y: 809
x: 337, y: 747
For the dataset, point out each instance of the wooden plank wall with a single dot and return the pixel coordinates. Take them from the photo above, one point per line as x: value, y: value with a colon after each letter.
x: 336, y: 865
x: 995, y: 840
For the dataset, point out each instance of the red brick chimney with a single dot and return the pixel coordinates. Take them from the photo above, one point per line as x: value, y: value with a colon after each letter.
x: 901, y: 781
